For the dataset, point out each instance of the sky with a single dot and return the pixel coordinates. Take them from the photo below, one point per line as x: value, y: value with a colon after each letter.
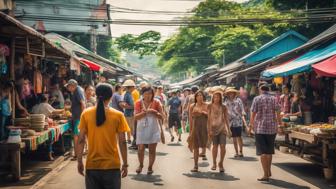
x: 156, y: 5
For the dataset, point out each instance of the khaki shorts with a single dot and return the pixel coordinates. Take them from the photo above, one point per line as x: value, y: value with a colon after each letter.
x: 130, y: 122
x: 219, y: 139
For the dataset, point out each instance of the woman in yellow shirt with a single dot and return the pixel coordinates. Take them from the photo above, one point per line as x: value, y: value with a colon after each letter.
x: 103, y: 126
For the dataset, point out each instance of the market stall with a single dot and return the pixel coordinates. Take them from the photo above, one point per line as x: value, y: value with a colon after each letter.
x: 30, y: 64
x: 315, y: 143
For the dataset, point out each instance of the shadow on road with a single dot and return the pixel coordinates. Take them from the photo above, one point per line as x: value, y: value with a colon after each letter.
x: 246, y: 158
x: 174, y: 144
x: 155, y: 179
x: 211, y: 175
x: 29, y: 177
x: 285, y: 184
x: 308, y: 172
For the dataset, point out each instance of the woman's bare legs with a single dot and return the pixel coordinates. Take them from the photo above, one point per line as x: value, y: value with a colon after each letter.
x: 152, y: 155
x: 214, y: 156
x: 141, y: 157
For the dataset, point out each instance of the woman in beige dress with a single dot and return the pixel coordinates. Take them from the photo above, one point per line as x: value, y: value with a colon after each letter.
x: 218, y: 129
x: 198, y: 116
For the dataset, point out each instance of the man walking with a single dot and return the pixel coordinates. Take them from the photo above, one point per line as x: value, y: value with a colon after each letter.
x: 77, y: 107
x: 129, y: 107
x: 264, y: 121
x: 175, y: 111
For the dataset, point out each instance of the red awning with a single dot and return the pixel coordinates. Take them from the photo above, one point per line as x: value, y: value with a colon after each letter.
x: 326, y: 67
x: 93, y: 66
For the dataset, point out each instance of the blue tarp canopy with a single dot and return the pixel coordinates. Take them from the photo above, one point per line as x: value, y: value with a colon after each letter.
x: 302, y: 63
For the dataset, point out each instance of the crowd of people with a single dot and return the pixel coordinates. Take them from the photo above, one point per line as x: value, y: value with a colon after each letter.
x: 138, y: 115
x: 103, y: 116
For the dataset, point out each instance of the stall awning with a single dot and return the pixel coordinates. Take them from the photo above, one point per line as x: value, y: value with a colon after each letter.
x: 301, y: 64
x: 231, y: 66
x: 28, y: 40
x: 326, y: 68
x: 93, y: 66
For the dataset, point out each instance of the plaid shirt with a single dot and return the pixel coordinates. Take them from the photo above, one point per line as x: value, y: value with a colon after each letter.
x: 265, y: 106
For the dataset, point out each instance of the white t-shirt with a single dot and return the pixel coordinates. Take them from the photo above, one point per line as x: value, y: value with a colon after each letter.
x: 43, y: 108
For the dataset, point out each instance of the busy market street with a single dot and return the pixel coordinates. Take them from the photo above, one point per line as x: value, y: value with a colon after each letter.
x: 171, y: 94
x: 173, y: 171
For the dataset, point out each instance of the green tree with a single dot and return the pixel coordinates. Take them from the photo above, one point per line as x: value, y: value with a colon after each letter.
x: 145, y: 44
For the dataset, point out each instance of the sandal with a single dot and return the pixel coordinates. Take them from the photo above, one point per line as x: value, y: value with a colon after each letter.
x: 214, y: 167
x: 221, y: 169
x: 150, y: 172
x: 263, y: 179
x: 139, y: 169
x: 194, y: 170
x: 241, y: 154
x: 74, y: 158
x: 236, y: 155
x: 204, y: 158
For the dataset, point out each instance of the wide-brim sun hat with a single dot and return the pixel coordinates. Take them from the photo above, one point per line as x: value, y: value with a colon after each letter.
x: 231, y: 90
x: 129, y: 83
x: 216, y: 89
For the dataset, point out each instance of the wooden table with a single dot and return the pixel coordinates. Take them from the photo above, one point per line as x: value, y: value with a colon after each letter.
x: 322, y: 146
x: 13, y: 152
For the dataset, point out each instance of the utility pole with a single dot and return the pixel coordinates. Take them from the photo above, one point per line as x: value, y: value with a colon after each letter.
x: 93, y: 38
x: 223, y: 58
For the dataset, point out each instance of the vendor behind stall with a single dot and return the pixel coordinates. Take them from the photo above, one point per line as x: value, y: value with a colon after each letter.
x: 26, y: 93
x: 57, y: 98
x: 295, y: 110
x: 44, y: 108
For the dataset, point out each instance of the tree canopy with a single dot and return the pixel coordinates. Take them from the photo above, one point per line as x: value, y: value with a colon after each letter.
x: 195, y: 47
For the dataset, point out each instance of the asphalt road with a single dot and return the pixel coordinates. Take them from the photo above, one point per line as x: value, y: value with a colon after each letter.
x: 174, y: 162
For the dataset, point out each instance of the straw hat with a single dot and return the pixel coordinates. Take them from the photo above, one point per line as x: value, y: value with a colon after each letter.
x: 129, y: 83
x: 143, y: 84
x: 217, y: 89
x: 231, y: 90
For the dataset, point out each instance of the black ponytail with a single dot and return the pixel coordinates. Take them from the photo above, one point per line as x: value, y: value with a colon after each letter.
x: 103, y: 92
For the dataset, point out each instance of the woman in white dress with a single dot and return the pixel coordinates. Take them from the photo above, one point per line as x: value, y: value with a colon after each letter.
x: 148, y: 112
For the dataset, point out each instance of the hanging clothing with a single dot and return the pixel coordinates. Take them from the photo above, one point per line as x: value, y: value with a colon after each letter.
x: 38, y: 82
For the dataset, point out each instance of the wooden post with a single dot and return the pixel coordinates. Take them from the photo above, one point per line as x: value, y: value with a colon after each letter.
x: 12, y: 75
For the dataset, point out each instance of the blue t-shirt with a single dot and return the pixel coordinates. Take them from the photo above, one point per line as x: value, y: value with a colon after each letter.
x: 129, y: 101
x: 5, y: 107
x: 174, y: 104
x: 116, y: 99
x: 76, y: 98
